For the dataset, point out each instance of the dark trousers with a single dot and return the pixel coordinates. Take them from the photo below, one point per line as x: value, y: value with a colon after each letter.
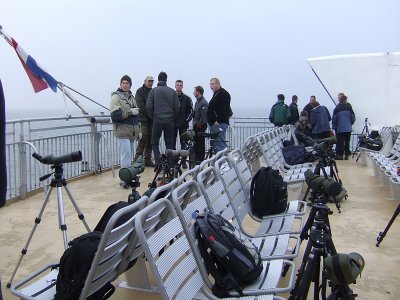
x: 322, y: 135
x: 144, y: 144
x: 180, y: 130
x: 343, y: 143
x: 199, y: 143
x: 158, y: 129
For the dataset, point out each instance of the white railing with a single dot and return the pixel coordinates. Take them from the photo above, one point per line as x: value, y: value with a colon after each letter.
x: 92, y: 135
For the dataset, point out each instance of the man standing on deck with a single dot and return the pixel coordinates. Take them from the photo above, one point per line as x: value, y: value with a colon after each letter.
x: 219, y: 112
x: 294, y: 111
x: 144, y: 145
x: 124, y: 115
x: 308, y: 108
x: 163, y: 107
x: 184, y: 117
x: 199, y: 123
x: 280, y: 112
x: 342, y: 120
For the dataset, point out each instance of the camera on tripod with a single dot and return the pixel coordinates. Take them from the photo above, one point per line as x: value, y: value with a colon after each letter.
x: 58, y: 160
x: 323, y: 147
x: 328, y: 185
x: 130, y: 176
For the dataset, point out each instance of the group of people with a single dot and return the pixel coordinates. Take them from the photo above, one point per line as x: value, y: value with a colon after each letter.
x: 151, y: 112
x: 314, y: 120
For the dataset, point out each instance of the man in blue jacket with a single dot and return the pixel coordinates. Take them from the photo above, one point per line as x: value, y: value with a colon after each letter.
x: 342, y: 120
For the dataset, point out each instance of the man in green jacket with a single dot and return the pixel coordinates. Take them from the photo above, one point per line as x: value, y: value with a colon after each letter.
x: 280, y: 112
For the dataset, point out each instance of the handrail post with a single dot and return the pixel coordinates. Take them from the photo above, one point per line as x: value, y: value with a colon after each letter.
x: 95, y: 140
x: 23, y: 167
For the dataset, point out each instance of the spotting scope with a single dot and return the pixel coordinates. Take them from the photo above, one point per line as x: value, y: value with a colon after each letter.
x: 329, y: 185
x: 58, y: 160
x: 176, y: 153
x: 129, y: 174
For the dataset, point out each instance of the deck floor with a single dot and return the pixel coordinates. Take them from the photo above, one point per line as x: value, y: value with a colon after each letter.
x: 364, y: 214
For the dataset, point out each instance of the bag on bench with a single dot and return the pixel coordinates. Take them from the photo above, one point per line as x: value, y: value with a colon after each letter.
x: 232, y: 262
x: 74, y: 266
x: 294, y: 155
x: 268, y: 193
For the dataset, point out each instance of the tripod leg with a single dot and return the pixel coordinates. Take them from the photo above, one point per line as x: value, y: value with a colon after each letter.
x: 75, y: 204
x: 381, y: 235
x: 61, y: 216
x: 37, y: 221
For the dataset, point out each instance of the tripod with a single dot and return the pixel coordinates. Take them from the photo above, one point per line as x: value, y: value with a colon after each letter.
x: 382, y: 235
x: 168, y: 173
x: 366, y: 131
x: 57, y: 182
x: 320, y: 244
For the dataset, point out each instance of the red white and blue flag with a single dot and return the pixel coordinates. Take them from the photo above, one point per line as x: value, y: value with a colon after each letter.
x: 39, y: 78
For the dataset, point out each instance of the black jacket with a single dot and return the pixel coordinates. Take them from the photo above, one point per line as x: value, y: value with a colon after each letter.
x: 186, y: 111
x: 141, y: 97
x: 219, y: 107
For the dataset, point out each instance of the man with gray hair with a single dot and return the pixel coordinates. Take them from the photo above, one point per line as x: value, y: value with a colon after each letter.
x: 163, y: 107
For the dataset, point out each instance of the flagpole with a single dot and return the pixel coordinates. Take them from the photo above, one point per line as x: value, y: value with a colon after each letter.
x: 60, y: 85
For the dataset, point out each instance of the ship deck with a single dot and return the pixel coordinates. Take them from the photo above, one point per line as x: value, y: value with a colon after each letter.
x: 364, y: 214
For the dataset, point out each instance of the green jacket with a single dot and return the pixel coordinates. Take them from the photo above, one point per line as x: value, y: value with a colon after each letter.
x: 280, y: 114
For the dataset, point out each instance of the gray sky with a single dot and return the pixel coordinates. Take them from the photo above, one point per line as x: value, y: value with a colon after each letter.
x: 257, y: 49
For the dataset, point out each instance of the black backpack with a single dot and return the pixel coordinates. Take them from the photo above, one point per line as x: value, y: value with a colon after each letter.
x: 74, y: 266
x: 233, y: 263
x: 268, y: 193
x: 76, y: 261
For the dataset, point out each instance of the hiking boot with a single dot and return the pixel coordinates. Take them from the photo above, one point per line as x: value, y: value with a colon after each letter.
x: 149, y: 163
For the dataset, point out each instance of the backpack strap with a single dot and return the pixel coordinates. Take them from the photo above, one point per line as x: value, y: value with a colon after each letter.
x: 253, y: 182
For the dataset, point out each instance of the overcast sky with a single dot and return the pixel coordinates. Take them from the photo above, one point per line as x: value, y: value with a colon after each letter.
x: 256, y: 48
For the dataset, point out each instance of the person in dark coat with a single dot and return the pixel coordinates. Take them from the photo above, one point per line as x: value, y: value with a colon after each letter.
x: 144, y: 144
x: 294, y: 111
x: 342, y: 120
x: 308, y: 108
x: 199, y: 123
x: 184, y: 117
x: 319, y: 119
x: 163, y: 107
x: 219, y: 112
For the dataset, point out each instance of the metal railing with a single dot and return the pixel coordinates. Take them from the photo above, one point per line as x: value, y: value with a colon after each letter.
x: 93, y: 136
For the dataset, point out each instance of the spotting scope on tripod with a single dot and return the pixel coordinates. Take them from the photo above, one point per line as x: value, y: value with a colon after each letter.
x: 131, y: 177
x: 58, y: 181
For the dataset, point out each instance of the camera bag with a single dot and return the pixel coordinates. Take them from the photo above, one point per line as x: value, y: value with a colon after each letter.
x: 295, y: 154
x: 268, y: 193
x: 231, y: 261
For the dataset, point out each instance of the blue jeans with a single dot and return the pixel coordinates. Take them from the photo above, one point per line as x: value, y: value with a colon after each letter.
x: 127, y: 149
x: 220, y: 140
